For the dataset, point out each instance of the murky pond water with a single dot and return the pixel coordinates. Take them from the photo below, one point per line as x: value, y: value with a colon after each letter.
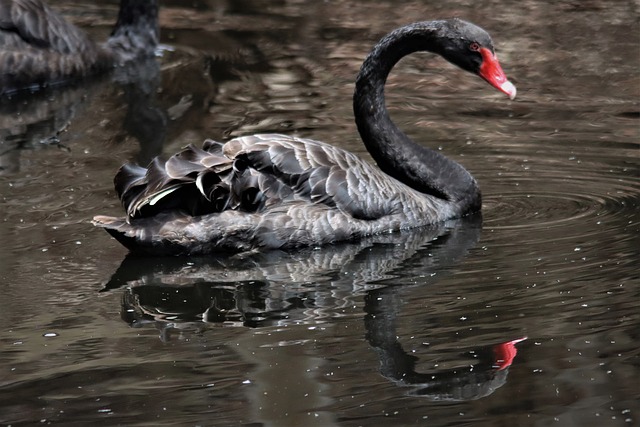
x: 417, y: 328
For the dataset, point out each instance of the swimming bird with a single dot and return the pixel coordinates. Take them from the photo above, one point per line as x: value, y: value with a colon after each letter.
x: 39, y: 48
x: 276, y: 191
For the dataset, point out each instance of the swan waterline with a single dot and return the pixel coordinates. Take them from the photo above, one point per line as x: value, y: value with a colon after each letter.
x: 39, y: 48
x: 272, y: 191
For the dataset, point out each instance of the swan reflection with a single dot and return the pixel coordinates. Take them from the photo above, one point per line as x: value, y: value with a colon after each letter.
x: 278, y: 289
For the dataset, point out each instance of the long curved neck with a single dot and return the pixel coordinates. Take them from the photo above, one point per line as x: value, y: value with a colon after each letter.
x: 423, y: 169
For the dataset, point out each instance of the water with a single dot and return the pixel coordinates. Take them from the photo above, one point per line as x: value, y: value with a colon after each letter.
x: 406, y: 329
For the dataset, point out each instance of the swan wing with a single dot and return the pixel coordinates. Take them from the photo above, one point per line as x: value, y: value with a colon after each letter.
x: 321, y: 173
x: 255, y: 174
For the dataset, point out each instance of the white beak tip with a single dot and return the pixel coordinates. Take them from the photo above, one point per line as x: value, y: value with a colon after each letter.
x: 508, y: 88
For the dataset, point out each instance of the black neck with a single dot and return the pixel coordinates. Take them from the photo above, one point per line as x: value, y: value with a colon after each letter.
x: 423, y: 169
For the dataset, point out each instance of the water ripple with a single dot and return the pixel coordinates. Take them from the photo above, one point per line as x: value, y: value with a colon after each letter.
x: 539, y: 191
x: 546, y: 209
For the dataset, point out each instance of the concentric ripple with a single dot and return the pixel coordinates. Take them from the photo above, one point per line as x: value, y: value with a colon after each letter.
x: 546, y: 210
x: 545, y: 187
x: 575, y: 204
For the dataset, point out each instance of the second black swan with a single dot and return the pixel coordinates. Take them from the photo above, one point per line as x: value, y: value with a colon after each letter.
x: 39, y: 48
x: 277, y: 191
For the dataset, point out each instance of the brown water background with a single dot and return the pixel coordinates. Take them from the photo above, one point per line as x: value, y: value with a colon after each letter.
x: 326, y: 336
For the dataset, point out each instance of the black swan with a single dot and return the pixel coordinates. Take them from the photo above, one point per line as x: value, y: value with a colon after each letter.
x: 277, y: 191
x: 38, y: 47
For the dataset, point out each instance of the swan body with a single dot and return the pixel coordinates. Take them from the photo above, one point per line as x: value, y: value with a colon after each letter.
x: 38, y: 47
x: 278, y: 191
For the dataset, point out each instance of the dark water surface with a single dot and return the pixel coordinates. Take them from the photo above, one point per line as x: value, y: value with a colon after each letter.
x: 416, y: 328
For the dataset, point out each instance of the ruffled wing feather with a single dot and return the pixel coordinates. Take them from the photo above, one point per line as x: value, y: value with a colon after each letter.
x: 250, y: 174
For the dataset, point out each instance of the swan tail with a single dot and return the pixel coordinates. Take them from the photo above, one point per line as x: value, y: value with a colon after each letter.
x: 150, y: 237
x: 117, y: 228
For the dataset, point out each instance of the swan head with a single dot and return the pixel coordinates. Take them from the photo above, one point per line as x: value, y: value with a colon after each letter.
x: 470, y: 48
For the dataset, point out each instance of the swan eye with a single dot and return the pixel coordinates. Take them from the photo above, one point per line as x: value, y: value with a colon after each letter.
x: 474, y: 46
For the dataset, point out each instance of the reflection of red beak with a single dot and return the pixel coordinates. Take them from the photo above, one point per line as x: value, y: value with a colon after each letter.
x: 504, y: 353
x: 491, y: 71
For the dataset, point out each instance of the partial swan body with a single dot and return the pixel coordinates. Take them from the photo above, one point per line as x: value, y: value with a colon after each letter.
x: 276, y: 191
x: 39, y: 48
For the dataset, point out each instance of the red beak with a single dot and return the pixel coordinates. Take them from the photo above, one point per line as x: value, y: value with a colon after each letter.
x: 491, y: 71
